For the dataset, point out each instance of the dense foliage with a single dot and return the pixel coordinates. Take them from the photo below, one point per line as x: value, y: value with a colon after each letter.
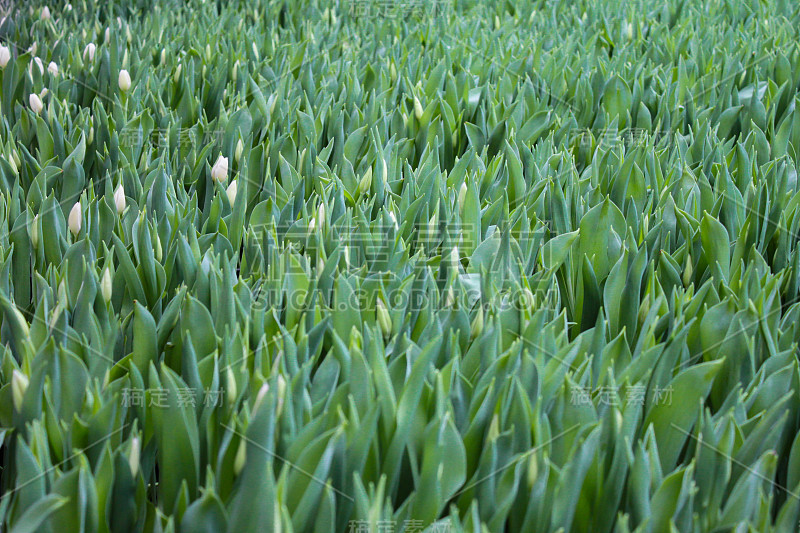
x: 427, y: 266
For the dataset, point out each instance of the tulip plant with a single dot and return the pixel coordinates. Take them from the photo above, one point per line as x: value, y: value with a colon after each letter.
x: 420, y: 266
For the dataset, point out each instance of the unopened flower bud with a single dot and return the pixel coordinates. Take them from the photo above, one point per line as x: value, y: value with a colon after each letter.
x: 462, y: 196
x: 219, y: 172
x: 384, y: 320
x: 133, y: 458
x: 476, y: 328
x: 241, y: 456
x: 119, y: 199
x: 34, y: 232
x: 237, y: 154
x: 230, y: 386
x: 19, y: 384
x: 106, y: 285
x: 231, y: 192
x: 124, y: 80
x: 262, y: 392
x: 365, y: 183
x: 687, y: 272
x: 75, y: 219
x: 36, y: 103
x: 5, y: 56
x: 88, y: 52
x: 281, y: 394
x: 417, y: 108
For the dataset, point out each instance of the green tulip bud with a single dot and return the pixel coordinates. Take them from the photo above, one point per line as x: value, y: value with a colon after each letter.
x: 366, y: 182
x: 533, y: 469
x: 384, y: 320
x: 34, y: 231
x: 476, y: 328
x: 241, y: 456
x: 237, y: 155
x: 687, y: 272
x: 19, y: 384
x: 230, y: 386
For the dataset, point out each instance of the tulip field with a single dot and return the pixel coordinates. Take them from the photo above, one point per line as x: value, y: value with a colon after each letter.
x: 418, y: 266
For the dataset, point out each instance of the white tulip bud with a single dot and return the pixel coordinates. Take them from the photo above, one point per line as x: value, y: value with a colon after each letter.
x: 39, y: 64
x: 260, y: 398
x: 526, y: 298
x: 163, y: 56
x: 106, y: 285
x: 394, y: 220
x: 417, y: 108
x: 455, y: 259
x: 321, y: 214
x: 281, y: 394
x: 14, y: 167
x: 235, y: 73
x: 107, y: 37
x: 219, y: 172
x: 44, y: 93
x: 45, y: 13
x: 124, y: 80
x: 462, y: 196
x: 5, y: 56
x: 133, y: 458
x: 19, y: 384
x: 36, y: 103
x: 237, y: 154
x: 119, y: 199
x: 177, y: 76
x: 75, y: 219
x: 88, y: 52
x: 68, y: 7
x: 449, y: 297
x: 384, y: 320
x: 231, y: 191
x: 52, y: 68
